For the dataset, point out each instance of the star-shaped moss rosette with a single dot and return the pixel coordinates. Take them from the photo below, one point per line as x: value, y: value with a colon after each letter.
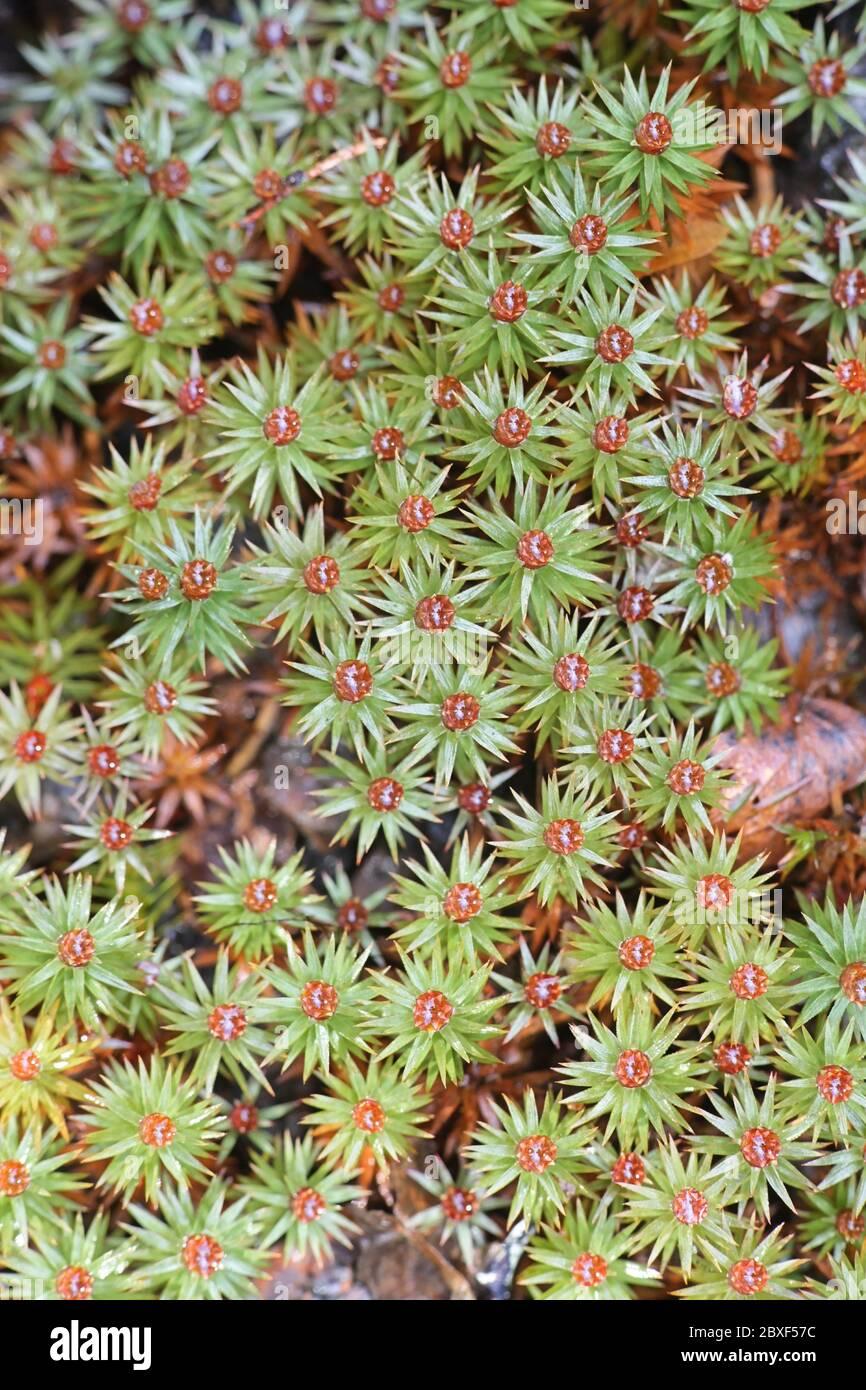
x: 543, y: 550
x: 492, y: 313
x: 41, y: 220
x: 458, y: 1212
x: 561, y: 673
x: 325, y: 335
x: 828, y: 1223
x: 427, y: 621
x: 746, y: 34
x: 709, y: 885
x: 851, y: 207
x: 847, y: 1282
x: 683, y: 782
x: 434, y: 224
x: 216, y: 1028
x: 34, y: 1194
x: 151, y: 321
x: 627, y: 952
x: 609, y: 750
x: 474, y: 805
x: 13, y: 875
x: 842, y: 388
x: 73, y: 1265
x: 191, y: 1250
x: 301, y: 1200
x: 344, y: 694
x: 321, y: 1002
x: 240, y: 283
x: 639, y: 1077
x: 72, y: 80
x: 821, y: 80
x: 374, y: 65
x: 539, y: 994
x: 506, y: 434
x: 744, y: 989
x: 187, y: 596
x: 830, y: 956
x: 615, y: 341
x: 530, y: 28
x: 421, y: 367
x: 384, y: 428
x: 388, y: 796
x: 739, y: 400
x: 696, y: 327
x: 147, y: 1125
x: 38, y: 1065
x: 178, y: 414
x: 586, y: 1260
x: 405, y: 515
x: 304, y: 581
x: 221, y: 86
x: 27, y: 279
x: 47, y: 367
x: 537, y: 1154
x: 324, y: 112
x: 251, y: 901
x: 150, y: 706
x: 844, y: 1169
x: 559, y: 846
x: 359, y: 916
x: 251, y: 1124
x: 737, y: 680
x: 687, y: 482
x: 679, y: 1211
x: 33, y: 749
x: 382, y: 303
x: 381, y: 24
x: 462, y: 721
x: 372, y: 1113
x: 114, y: 840
x: 53, y: 639
x: 145, y: 194
x: 460, y: 907
x: 723, y: 571
x: 638, y: 576
x: 758, y: 1148
x: 363, y: 195
x: 434, y: 1017
x: 65, y: 956
x: 603, y: 440
x: 754, y: 1268
x: 249, y: 172
x: 649, y: 143
x: 275, y: 432
x: 584, y: 237
x: 134, y: 496
x: 834, y: 293
x: 447, y: 81
x: 828, y: 1080
x: 146, y: 32
x: 761, y: 245
x: 109, y: 759
x: 613, y: 1173
x: 39, y: 158
x: 529, y: 133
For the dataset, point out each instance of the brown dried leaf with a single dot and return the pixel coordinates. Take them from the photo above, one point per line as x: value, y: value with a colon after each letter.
x: 791, y: 771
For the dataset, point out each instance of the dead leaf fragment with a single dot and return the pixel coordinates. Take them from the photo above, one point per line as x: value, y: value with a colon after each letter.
x: 791, y: 771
